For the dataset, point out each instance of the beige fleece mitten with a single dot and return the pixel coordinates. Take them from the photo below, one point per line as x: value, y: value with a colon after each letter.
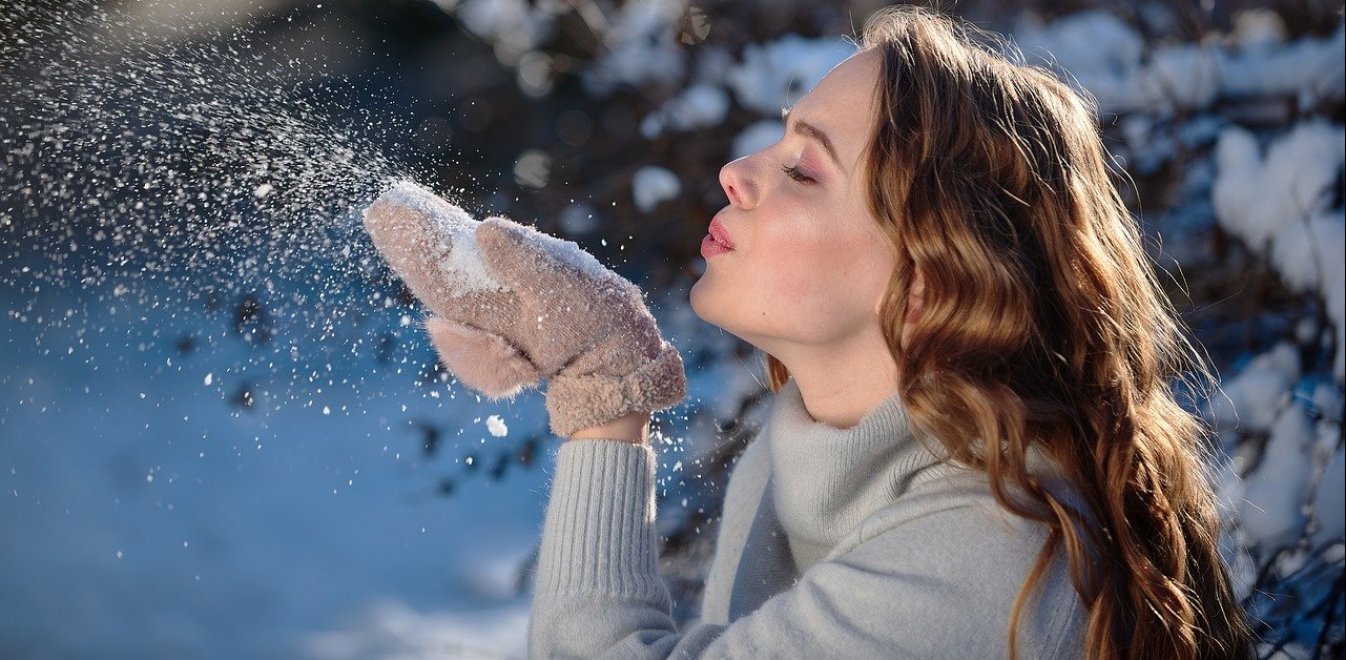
x: 512, y: 305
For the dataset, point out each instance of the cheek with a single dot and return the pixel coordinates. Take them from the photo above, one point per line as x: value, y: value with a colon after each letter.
x: 841, y: 279
x: 819, y: 273
x: 816, y: 290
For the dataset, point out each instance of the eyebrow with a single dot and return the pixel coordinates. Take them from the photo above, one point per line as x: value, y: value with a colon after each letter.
x: 810, y: 131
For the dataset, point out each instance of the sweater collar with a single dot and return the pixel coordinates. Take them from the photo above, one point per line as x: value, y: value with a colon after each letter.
x: 826, y: 480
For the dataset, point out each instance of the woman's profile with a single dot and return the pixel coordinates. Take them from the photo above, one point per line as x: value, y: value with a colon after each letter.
x: 974, y: 449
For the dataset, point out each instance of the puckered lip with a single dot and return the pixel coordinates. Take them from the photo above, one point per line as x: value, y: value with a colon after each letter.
x: 718, y: 232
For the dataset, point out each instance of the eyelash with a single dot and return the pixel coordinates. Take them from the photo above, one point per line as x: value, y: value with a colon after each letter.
x: 794, y: 173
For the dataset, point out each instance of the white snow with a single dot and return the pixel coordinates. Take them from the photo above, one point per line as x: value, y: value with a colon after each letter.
x: 642, y: 49
x: 777, y: 74
x: 712, y: 61
x: 1274, y: 493
x: 455, y: 231
x: 1328, y: 400
x: 757, y: 136
x: 700, y: 105
x: 1187, y: 75
x: 1254, y: 399
x: 1092, y: 40
x: 651, y: 185
x: 1256, y: 197
x: 176, y: 525
x: 1257, y: 29
x: 1308, y: 69
x: 388, y: 628
x: 1279, y: 204
x: 497, y: 426
x: 1328, y: 506
x: 1272, y: 497
x: 1099, y: 50
x: 515, y: 26
x: 1105, y: 56
x: 533, y: 169
x: 1308, y: 255
x: 534, y: 74
x: 568, y: 253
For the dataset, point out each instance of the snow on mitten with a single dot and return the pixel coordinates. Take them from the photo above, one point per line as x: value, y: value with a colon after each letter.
x: 512, y: 305
x: 431, y: 244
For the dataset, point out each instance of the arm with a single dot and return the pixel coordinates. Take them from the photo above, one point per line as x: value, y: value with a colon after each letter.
x: 911, y: 591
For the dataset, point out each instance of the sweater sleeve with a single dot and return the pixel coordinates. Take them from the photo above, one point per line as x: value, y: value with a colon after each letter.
x: 905, y: 593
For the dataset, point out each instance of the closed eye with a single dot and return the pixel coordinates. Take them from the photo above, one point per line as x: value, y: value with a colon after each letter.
x: 794, y: 173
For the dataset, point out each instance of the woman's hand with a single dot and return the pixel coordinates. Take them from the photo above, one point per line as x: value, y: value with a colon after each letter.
x: 512, y: 305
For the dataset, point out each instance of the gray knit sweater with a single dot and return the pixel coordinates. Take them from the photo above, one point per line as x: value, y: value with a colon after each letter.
x: 834, y: 543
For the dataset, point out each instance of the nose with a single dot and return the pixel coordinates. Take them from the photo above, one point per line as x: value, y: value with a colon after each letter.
x: 737, y: 182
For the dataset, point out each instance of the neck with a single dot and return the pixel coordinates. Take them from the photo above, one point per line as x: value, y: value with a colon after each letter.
x: 840, y: 384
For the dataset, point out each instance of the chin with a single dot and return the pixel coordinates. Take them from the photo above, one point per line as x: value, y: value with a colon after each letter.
x: 709, y: 305
x: 698, y: 301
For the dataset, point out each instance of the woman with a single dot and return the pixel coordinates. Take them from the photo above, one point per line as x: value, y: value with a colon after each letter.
x: 932, y: 256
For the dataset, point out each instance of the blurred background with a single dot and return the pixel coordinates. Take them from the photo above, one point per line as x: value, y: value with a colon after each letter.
x: 222, y: 434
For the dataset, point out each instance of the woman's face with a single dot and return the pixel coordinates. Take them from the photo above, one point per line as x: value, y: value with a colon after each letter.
x: 809, y: 264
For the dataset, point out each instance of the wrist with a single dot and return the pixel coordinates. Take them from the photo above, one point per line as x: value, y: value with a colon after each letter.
x: 632, y: 428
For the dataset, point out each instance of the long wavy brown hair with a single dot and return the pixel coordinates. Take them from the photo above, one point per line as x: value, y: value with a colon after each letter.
x: 1044, y: 324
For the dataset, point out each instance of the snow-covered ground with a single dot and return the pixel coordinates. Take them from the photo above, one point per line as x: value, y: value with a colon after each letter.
x: 145, y: 515
x: 151, y: 510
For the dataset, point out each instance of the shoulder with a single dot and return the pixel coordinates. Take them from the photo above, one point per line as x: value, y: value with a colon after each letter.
x: 954, y: 508
x: 954, y: 551
x: 961, y: 504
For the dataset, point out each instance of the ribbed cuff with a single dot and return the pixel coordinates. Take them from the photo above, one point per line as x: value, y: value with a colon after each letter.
x: 599, y: 533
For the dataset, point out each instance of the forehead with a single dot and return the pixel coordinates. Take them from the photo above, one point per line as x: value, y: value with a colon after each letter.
x: 842, y: 104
